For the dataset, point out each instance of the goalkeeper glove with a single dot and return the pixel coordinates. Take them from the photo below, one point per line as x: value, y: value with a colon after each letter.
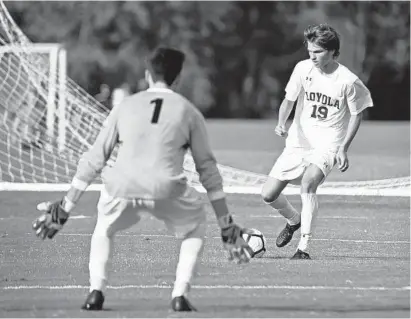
x: 54, y: 216
x: 232, y: 237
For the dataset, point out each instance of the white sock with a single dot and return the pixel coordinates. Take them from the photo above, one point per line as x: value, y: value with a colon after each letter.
x: 308, y: 217
x: 283, y: 206
x: 190, y: 252
x: 303, y: 244
x: 100, y: 255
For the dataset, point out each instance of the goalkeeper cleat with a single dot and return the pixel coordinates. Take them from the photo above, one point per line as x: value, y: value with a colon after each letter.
x: 182, y: 304
x: 287, y: 234
x: 299, y: 254
x: 94, y: 301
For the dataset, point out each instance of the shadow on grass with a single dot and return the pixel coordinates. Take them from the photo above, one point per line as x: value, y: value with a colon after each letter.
x: 305, y: 309
x: 274, y: 257
x: 330, y: 257
x: 234, y: 311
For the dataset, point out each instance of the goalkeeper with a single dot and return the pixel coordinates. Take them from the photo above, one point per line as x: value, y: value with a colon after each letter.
x: 154, y: 129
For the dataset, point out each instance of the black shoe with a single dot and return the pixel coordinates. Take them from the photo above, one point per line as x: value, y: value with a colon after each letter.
x: 287, y: 234
x: 299, y: 254
x: 182, y: 304
x: 94, y: 301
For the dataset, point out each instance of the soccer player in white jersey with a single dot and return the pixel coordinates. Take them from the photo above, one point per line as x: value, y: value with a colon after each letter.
x: 154, y: 129
x: 330, y: 101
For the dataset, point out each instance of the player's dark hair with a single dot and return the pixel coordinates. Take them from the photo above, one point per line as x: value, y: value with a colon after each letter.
x: 324, y: 36
x: 165, y: 64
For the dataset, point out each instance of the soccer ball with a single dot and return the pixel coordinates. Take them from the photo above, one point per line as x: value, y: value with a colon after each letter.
x: 256, y: 241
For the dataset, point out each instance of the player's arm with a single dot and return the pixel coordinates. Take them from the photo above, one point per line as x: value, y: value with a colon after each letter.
x: 56, y: 214
x: 292, y: 90
x: 283, y: 115
x: 358, y: 99
x: 210, y: 178
x: 352, y: 129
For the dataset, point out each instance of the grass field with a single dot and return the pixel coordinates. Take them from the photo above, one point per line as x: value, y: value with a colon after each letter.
x: 361, y: 251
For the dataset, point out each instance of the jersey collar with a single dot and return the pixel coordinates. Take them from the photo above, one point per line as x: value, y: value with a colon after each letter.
x: 165, y: 90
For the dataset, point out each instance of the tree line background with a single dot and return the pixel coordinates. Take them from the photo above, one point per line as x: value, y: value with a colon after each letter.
x: 239, y: 54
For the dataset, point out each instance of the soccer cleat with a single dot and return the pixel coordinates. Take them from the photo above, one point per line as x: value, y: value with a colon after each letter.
x: 94, y: 301
x: 299, y: 254
x: 182, y: 304
x: 287, y: 234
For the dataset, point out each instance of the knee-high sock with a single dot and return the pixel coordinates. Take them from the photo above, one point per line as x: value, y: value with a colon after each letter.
x: 100, y: 255
x: 308, y: 218
x: 283, y: 206
x: 190, y: 252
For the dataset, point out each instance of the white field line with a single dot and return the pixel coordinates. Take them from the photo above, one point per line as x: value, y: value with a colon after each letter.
x: 21, y: 217
x: 362, y: 241
x: 210, y: 287
x: 324, y: 190
x: 252, y: 216
x: 80, y: 217
x: 320, y: 217
x: 217, y: 237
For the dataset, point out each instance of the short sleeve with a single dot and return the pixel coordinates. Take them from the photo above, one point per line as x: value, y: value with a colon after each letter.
x: 294, y: 84
x: 358, y: 97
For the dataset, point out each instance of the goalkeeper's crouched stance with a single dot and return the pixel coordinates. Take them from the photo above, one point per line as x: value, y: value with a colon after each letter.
x: 154, y: 129
x: 185, y: 216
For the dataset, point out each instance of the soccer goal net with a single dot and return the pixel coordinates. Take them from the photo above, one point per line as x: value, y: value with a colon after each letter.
x: 47, y: 122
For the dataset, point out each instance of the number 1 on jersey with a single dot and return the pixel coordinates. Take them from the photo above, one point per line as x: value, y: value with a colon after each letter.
x: 157, y: 108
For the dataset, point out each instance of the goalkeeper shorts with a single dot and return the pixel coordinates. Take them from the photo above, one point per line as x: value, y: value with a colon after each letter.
x: 184, y: 216
x: 293, y: 161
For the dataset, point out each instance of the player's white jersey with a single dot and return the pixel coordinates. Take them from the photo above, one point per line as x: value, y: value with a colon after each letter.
x: 154, y: 129
x: 325, y: 102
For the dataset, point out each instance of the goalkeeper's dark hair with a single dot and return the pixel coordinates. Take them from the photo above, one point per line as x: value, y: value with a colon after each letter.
x: 324, y: 36
x: 165, y: 64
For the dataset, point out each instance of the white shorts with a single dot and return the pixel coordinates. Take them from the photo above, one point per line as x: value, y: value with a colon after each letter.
x: 182, y: 216
x: 293, y: 161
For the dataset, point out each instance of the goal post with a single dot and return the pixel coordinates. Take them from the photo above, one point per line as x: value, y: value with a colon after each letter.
x: 62, y: 76
x: 55, y: 86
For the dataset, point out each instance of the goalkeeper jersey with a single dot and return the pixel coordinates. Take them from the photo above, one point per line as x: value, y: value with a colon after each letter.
x: 154, y: 129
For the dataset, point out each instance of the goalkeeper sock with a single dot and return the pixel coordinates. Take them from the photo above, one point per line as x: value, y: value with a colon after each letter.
x: 283, y: 206
x: 190, y: 252
x: 100, y: 254
x: 308, y: 217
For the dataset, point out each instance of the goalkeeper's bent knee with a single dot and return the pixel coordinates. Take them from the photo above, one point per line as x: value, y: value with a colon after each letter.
x: 198, y: 232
